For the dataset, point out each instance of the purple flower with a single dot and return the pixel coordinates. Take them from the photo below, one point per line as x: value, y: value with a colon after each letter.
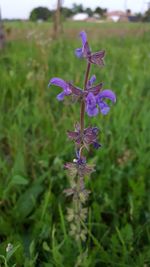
x: 67, y: 87
x: 70, y: 89
x: 92, y: 101
x: 104, y: 108
x: 84, y: 51
x: 92, y: 95
x: 91, y: 81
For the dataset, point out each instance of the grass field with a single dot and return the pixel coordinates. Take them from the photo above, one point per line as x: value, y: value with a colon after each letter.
x: 34, y: 147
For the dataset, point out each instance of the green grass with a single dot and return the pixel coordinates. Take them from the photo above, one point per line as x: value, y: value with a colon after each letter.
x: 34, y: 147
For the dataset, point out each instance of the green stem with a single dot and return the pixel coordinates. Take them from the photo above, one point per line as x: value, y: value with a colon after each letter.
x: 5, y: 262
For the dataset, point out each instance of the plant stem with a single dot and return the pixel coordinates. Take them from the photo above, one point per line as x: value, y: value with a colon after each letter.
x: 83, y: 102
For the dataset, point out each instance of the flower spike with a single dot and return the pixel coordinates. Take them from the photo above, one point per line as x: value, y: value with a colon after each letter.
x: 84, y: 51
x: 92, y: 101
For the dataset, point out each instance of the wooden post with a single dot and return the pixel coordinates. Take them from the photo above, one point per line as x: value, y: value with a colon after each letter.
x: 58, y: 28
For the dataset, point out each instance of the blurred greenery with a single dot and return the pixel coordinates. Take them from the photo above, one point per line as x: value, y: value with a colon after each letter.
x: 34, y: 147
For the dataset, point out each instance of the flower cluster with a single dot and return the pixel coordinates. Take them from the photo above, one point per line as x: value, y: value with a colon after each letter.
x: 92, y: 100
x: 92, y: 95
x: 86, y: 137
x: 84, y: 51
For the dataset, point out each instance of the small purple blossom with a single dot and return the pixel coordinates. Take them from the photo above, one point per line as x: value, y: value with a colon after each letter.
x: 70, y: 89
x: 84, y: 51
x: 63, y: 84
x: 91, y: 105
x: 91, y: 81
x: 67, y: 87
x: 92, y: 95
x: 93, y: 101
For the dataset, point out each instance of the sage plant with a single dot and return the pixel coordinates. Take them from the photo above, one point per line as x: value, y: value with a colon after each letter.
x: 91, y: 99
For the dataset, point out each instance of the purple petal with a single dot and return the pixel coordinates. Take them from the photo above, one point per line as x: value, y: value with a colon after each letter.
x: 79, y: 52
x: 91, y: 81
x: 95, y: 130
x: 60, y: 97
x: 104, y: 108
x: 86, y: 51
x: 107, y: 94
x: 92, y: 111
x: 96, y: 145
x: 83, y: 37
x: 58, y: 82
x: 91, y: 100
x: 91, y: 108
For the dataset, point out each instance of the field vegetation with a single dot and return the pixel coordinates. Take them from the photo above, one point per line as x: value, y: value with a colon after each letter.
x: 34, y: 147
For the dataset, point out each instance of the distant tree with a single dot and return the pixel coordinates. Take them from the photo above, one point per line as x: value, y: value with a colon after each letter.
x: 89, y: 11
x: 100, y: 11
x: 139, y: 16
x: 40, y: 13
x: 146, y: 17
x: 66, y: 12
x: 77, y: 8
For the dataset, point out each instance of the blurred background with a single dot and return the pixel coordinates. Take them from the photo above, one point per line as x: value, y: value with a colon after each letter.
x: 37, y: 42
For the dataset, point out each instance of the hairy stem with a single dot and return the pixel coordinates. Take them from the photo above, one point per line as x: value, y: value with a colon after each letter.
x: 83, y: 102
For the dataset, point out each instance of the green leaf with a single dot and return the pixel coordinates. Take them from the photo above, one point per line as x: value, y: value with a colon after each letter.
x: 19, y: 180
x: 45, y: 246
x: 27, y: 201
x: 10, y: 253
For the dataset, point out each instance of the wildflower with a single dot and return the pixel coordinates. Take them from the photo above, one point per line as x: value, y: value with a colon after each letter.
x: 104, y: 108
x: 70, y: 89
x: 93, y: 101
x: 91, y: 105
x: 89, y: 136
x: 94, y: 97
x: 84, y: 51
x: 91, y: 81
x: 79, y: 167
x: 67, y: 87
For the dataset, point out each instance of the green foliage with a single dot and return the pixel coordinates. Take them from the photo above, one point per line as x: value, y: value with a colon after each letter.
x: 89, y: 11
x: 77, y: 8
x: 34, y: 147
x: 146, y: 16
x: 66, y: 12
x: 100, y: 11
x: 42, y: 13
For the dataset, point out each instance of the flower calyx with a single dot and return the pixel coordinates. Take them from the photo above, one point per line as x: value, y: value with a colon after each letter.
x: 86, y: 137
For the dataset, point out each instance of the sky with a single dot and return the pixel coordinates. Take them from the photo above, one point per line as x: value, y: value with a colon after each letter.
x: 22, y: 8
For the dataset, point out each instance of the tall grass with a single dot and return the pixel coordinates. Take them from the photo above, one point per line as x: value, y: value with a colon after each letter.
x: 34, y: 147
